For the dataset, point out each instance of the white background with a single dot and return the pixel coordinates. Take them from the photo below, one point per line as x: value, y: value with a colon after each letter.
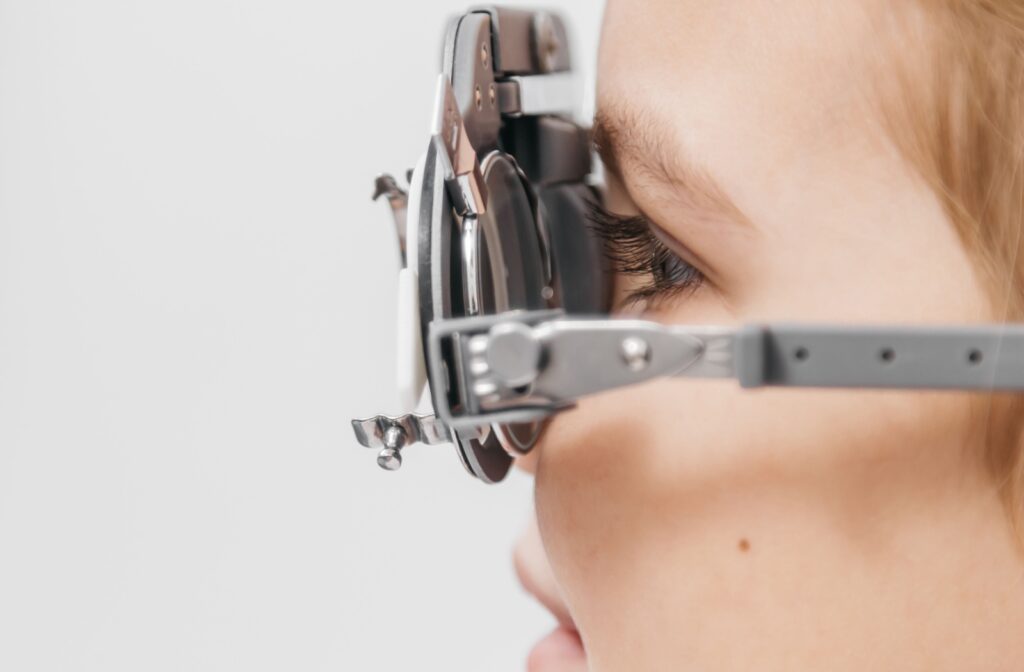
x: 196, y: 295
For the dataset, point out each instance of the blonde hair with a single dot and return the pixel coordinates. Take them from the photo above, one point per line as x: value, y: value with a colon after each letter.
x: 958, y: 117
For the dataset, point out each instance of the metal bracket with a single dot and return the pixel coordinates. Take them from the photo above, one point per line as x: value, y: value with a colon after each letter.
x: 463, y: 175
x: 532, y: 95
x: 522, y: 367
x: 393, y: 434
x: 398, y: 199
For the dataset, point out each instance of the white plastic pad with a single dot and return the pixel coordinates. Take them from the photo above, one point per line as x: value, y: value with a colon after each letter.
x: 410, y: 366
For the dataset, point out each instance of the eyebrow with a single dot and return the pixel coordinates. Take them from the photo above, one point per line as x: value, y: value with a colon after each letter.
x: 630, y: 139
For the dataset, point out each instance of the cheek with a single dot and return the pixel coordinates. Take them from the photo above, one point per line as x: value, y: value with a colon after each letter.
x: 628, y: 472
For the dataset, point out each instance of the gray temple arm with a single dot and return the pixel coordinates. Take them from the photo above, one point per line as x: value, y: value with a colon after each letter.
x: 520, y: 367
x: 989, y: 357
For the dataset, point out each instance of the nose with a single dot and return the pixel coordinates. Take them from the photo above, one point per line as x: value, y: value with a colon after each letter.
x: 534, y: 573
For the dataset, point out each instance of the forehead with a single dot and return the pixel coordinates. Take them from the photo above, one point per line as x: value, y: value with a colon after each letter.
x: 784, y: 41
x: 745, y: 84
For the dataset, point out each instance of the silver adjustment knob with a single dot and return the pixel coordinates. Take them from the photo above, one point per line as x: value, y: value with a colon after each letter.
x: 393, y: 434
x: 390, y: 458
x: 545, y: 39
x: 514, y: 354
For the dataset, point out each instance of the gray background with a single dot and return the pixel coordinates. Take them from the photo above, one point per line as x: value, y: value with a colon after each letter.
x: 196, y: 294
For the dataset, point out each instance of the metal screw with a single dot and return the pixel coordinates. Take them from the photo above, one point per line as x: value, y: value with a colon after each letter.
x: 390, y: 458
x: 483, y: 54
x: 479, y: 99
x: 493, y: 94
x: 636, y: 353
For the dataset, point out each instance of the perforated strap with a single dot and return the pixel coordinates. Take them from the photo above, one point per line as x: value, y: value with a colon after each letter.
x: 972, y: 358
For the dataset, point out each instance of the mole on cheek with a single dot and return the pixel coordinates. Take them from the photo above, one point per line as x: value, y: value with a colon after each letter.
x: 744, y: 545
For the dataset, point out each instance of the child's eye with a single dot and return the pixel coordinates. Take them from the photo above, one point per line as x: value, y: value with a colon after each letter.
x: 634, y: 249
x: 674, y: 271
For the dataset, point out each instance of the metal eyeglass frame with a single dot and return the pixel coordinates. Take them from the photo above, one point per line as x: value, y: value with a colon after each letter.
x: 499, y: 267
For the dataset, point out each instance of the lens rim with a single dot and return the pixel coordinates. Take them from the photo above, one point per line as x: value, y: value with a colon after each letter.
x: 505, y: 265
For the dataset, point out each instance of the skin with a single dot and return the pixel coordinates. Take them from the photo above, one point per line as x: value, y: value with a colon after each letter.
x: 695, y: 525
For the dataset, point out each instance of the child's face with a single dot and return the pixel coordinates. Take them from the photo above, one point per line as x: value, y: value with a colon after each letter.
x: 796, y: 207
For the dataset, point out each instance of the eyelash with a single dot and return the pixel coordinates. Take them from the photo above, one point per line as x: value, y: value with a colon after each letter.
x: 633, y: 249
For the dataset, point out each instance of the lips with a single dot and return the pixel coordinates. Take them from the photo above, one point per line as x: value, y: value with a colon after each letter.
x: 561, y: 650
